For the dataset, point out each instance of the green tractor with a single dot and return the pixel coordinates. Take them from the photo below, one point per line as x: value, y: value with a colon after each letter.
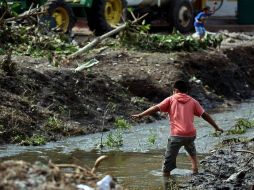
x: 102, y: 15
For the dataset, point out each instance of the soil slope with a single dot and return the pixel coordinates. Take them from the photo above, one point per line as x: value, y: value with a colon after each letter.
x: 37, y: 98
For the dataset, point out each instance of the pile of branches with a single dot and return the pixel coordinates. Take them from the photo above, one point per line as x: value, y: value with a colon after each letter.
x: 29, y: 34
x: 18, y: 175
x: 23, y: 175
x: 137, y: 37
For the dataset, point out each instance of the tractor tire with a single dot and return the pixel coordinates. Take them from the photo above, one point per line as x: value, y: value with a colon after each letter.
x: 182, y: 15
x: 105, y: 15
x: 59, y: 14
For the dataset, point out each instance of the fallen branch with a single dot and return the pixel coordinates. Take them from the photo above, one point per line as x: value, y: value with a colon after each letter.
x: 245, y: 151
x: 5, y: 11
x: 104, y: 36
x: 85, y: 170
x: 24, y: 16
x: 2, y: 17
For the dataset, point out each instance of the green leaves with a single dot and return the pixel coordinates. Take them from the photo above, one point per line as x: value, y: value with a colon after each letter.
x: 33, y: 41
x: 138, y: 38
x: 115, y: 139
x: 121, y: 123
x: 241, y: 126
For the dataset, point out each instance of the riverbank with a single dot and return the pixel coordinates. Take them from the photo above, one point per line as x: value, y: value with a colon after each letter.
x: 40, y: 102
x: 230, y: 167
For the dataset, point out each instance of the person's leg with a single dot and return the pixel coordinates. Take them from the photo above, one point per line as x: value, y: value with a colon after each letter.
x: 202, y: 32
x: 198, y: 32
x: 191, y: 149
x: 194, y: 164
x: 170, y: 160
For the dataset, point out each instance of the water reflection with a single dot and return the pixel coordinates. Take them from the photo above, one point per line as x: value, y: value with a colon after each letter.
x: 137, y: 164
x: 133, y: 170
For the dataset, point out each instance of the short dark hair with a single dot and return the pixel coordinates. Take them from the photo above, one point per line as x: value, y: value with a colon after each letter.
x: 181, y: 85
x: 207, y: 8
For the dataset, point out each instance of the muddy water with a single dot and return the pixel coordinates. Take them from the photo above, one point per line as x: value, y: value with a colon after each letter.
x: 137, y: 164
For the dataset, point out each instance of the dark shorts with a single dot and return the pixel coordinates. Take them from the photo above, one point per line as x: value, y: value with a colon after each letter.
x: 173, y: 147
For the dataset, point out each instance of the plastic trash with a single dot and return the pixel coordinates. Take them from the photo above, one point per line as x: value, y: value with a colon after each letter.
x: 84, y: 187
x: 104, y: 184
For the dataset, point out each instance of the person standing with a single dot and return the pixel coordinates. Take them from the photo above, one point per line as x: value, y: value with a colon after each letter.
x: 181, y: 109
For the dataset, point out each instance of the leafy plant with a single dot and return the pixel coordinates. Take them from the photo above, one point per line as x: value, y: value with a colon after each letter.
x: 234, y: 141
x: 35, y: 140
x: 216, y: 134
x: 152, y: 139
x: 122, y: 123
x: 54, y: 124
x: 241, y: 126
x: 18, y: 138
x: 137, y: 37
x: 114, y: 139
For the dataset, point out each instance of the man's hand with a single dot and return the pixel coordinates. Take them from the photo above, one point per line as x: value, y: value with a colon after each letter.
x: 136, y: 116
x: 149, y: 111
x: 219, y: 129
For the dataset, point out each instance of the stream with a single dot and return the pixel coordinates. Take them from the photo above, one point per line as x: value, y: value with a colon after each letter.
x: 137, y: 164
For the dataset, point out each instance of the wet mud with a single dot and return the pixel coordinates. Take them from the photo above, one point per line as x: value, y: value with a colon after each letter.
x: 39, y: 99
x: 229, y: 168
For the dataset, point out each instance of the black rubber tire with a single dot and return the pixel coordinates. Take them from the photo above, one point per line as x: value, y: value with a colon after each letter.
x: 50, y: 7
x: 175, y: 7
x: 96, y: 18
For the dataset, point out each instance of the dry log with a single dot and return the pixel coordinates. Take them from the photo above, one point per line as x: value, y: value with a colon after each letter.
x: 104, y: 36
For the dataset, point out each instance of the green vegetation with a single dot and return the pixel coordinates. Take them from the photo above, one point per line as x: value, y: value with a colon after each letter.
x: 234, y: 141
x: 115, y: 139
x: 152, y: 138
x: 216, y: 134
x: 28, y: 37
x: 31, y: 40
x: 137, y: 100
x: 35, y: 140
x: 241, y: 126
x: 121, y: 123
x: 54, y: 124
x: 138, y: 37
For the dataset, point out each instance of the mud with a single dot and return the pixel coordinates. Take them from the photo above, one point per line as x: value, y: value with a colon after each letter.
x: 124, y: 82
x: 226, y: 169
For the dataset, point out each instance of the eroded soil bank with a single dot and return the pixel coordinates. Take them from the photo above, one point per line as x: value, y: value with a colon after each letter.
x: 228, y: 168
x: 37, y: 98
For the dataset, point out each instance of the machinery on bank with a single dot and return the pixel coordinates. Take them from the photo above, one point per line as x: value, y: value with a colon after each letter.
x: 104, y: 15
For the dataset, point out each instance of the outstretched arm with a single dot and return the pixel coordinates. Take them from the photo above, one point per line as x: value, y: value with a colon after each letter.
x: 208, y: 118
x: 149, y: 111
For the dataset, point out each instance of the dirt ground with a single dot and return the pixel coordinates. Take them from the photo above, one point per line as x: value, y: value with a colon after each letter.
x: 40, y: 102
x: 40, y: 99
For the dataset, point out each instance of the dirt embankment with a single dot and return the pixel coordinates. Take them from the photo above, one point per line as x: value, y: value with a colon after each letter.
x: 55, y: 102
x: 228, y: 168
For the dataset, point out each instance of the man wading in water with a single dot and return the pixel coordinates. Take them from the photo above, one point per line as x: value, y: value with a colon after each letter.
x: 181, y: 109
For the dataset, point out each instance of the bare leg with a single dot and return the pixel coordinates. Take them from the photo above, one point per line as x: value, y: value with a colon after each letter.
x: 194, y: 164
x: 166, y: 176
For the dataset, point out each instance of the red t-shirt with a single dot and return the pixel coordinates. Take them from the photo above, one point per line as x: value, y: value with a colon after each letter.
x: 181, y: 109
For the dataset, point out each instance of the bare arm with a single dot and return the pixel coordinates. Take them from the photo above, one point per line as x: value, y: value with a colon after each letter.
x: 208, y: 118
x: 149, y: 111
